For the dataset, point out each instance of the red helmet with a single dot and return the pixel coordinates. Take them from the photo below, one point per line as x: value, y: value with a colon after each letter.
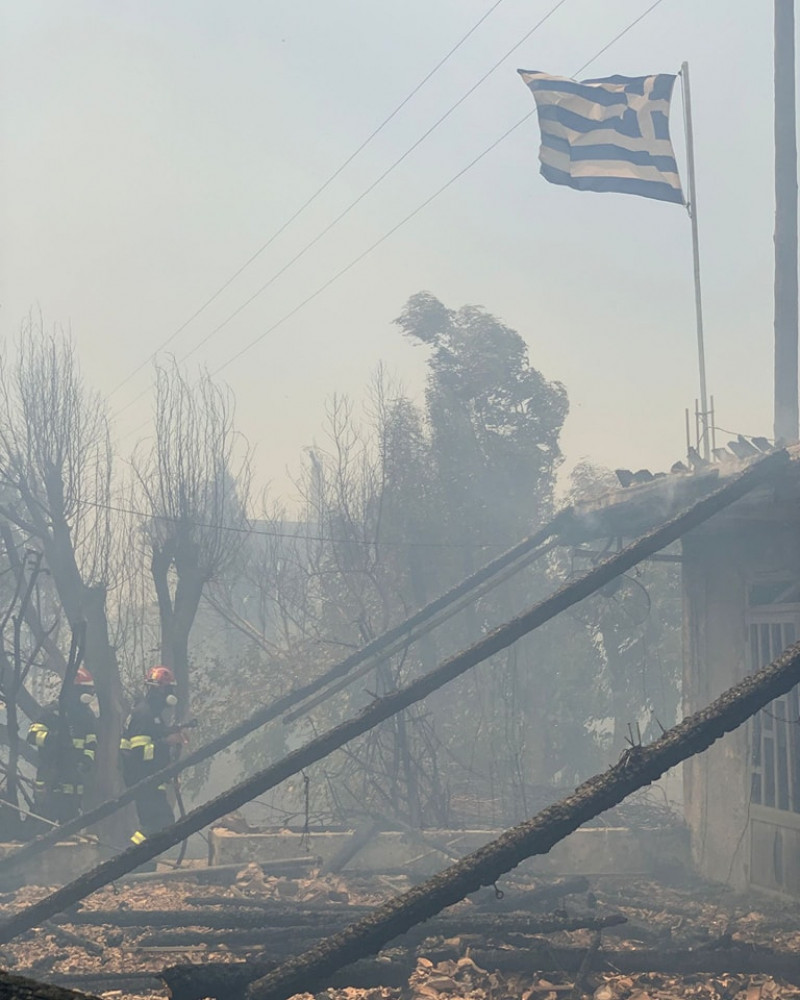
x: 83, y: 678
x: 160, y: 677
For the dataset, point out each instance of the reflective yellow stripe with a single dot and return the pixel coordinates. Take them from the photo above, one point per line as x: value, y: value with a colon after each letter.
x: 91, y: 740
x: 89, y: 754
x: 124, y: 744
x: 161, y: 788
x: 138, y: 838
x: 145, y: 743
x: 78, y: 744
x: 39, y: 732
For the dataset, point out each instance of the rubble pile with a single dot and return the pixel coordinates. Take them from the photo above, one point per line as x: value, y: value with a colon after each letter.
x: 619, y: 939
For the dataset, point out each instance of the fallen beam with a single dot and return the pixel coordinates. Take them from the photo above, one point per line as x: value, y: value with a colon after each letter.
x: 285, y: 938
x: 229, y: 981
x: 21, y: 988
x: 380, y: 648
x: 743, y: 960
x: 638, y: 767
x: 308, y: 920
x: 384, y: 708
x: 103, y: 982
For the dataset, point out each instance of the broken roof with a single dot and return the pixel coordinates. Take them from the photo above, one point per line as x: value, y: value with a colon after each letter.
x: 649, y: 500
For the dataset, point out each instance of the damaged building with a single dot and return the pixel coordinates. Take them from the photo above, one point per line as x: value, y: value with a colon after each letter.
x: 741, y: 596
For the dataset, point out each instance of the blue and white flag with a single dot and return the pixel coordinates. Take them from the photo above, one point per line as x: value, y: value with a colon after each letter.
x: 609, y: 134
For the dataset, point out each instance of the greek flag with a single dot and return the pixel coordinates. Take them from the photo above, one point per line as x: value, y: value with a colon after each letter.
x: 610, y: 134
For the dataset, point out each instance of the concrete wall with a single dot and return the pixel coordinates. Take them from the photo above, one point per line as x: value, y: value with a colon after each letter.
x: 58, y: 865
x: 720, y: 560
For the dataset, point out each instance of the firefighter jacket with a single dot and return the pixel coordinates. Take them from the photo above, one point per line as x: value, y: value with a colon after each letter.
x: 142, y: 746
x: 66, y: 752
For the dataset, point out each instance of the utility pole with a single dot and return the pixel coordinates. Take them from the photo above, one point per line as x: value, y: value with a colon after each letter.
x: 787, y: 419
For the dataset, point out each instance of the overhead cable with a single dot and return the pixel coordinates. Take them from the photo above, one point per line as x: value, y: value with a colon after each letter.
x: 312, y: 198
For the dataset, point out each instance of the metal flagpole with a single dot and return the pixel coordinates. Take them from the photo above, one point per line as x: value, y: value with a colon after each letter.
x: 787, y: 418
x: 691, y: 206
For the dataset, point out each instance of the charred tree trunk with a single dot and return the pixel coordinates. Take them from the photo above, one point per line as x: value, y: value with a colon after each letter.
x: 637, y: 768
x: 177, y: 610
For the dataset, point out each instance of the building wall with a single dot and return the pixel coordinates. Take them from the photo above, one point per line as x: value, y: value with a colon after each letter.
x: 722, y: 560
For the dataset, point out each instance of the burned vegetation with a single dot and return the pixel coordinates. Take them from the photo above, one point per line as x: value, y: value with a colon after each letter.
x: 485, y: 913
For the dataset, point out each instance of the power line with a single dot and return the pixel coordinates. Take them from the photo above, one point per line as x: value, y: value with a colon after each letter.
x: 428, y: 201
x: 432, y: 197
x: 298, y: 537
x: 374, y: 246
x: 390, y: 169
x: 616, y: 38
x: 368, y: 190
x: 419, y: 208
x: 281, y: 229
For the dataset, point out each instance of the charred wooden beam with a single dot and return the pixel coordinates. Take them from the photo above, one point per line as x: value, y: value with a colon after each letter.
x: 66, y: 937
x: 380, y: 648
x: 305, y: 921
x: 384, y: 708
x: 232, y: 918
x: 638, y: 767
x: 101, y: 982
x: 229, y: 981
x: 284, y: 939
x: 20, y: 988
x: 741, y: 960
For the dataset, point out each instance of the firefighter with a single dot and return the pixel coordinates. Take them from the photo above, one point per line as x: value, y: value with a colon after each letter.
x: 148, y: 744
x: 66, y: 750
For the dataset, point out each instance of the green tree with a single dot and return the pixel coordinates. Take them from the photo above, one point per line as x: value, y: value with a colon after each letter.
x: 494, y: 419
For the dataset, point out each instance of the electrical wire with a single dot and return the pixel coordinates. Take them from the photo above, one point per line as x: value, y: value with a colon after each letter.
x: 368, y: 190
x: 616, y: 38
x: 440, y: 190
x: 356, y: 260
x: 237, y: 529
x: 372, y: 247
x: 359, y: 198
x: 312, y: 198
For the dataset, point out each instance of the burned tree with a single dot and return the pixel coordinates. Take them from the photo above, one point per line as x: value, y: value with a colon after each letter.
x: 728, y: 712
x: 55, y: 469
x: 196, y: 482
x: 15, y: 664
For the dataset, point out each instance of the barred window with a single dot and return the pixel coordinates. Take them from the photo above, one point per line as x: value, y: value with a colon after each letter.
x: 775, y: 731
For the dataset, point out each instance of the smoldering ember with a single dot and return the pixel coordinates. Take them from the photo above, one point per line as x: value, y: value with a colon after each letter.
x: 450, y: 713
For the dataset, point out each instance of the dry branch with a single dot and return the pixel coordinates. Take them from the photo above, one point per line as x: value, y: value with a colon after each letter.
x: 636, y: 768
x: 384, y: 708
x: 380, y: 648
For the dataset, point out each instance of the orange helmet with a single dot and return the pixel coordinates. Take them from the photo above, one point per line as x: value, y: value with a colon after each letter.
x: 160, y: 677
x: 83, y: 678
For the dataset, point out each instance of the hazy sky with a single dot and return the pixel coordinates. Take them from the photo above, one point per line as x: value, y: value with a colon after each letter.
x: 150, y: 147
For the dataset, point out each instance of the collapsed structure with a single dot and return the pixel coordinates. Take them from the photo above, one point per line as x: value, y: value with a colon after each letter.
x: 741, y: 598
x: 741, y: 579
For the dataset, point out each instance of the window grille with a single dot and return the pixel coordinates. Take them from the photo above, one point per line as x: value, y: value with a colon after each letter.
x: 775, y: 731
